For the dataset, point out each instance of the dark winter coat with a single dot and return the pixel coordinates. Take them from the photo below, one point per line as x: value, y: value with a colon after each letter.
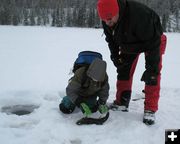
x: 138, y: 30
x: 82, y: 84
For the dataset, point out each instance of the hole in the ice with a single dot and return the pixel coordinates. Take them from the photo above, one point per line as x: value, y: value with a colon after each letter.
x: 19, y: 109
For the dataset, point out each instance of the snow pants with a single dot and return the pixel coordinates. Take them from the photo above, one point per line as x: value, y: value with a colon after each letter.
x: 125, y: 78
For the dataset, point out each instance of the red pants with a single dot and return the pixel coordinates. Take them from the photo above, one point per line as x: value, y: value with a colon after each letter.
x: 152, y: 93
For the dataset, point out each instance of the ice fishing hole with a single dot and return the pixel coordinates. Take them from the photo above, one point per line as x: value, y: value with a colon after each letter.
x: 19, y: 109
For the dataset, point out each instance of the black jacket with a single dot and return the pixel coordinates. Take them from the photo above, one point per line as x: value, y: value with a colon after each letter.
x: 138, y: 30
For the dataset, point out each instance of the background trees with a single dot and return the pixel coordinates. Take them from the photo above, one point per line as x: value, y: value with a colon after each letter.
x: 76, y: 13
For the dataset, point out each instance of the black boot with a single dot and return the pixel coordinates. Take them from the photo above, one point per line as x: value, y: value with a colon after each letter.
x: 124, y: 103
x: 125, y: 98
x: 149, y: 117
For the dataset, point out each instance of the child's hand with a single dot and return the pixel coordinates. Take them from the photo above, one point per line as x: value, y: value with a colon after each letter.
x: 103, y: 109
x: 85, y: 109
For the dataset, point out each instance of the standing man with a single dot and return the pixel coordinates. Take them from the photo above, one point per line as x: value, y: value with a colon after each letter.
x: 132, y: 28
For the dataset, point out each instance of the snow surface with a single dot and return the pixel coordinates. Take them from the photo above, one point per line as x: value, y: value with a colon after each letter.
x: 34, y: 69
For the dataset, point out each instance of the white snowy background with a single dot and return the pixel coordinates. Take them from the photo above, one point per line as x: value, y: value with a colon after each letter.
x: 34, y: 70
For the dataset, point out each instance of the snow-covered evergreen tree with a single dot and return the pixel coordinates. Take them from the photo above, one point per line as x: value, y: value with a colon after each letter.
x: 78, y: 13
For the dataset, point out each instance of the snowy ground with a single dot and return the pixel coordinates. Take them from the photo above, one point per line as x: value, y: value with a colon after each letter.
x: 34, y: 67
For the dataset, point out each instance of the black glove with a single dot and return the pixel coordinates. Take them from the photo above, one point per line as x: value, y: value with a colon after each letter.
x: 117, y: 60
x: 123, y: 59
x: 149, y: 78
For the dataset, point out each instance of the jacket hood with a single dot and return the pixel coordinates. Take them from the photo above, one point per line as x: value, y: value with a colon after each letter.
x: 97, y: 70
x: 122, y: 5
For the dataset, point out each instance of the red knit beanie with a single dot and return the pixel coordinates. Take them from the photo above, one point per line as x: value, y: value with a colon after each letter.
x: 107, y: 9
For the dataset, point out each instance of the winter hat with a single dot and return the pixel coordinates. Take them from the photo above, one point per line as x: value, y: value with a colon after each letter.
x: 107, y: 9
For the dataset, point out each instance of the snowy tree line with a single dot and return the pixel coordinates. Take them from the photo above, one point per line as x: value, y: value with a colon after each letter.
x: 76, y: 13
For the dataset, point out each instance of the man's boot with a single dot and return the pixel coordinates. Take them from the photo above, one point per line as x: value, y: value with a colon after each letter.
x: 124, y: 102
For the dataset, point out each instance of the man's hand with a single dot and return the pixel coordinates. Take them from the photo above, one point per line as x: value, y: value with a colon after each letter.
x: 117, y: 62
x: 149, y: 78
x: 116, y: 59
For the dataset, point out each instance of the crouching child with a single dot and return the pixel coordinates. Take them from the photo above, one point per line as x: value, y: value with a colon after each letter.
x: 88, y: 89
